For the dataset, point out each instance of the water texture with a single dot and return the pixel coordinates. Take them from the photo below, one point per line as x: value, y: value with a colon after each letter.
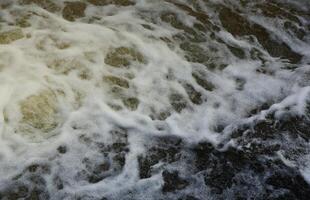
x: 154, y: 99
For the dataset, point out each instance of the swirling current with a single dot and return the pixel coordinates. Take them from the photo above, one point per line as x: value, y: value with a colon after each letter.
x: 154, y: 99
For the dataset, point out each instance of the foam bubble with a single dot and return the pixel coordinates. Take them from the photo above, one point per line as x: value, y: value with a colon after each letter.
x: 84, y: 88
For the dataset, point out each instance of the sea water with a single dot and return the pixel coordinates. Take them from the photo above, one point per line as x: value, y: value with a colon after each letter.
x: 92, y: 89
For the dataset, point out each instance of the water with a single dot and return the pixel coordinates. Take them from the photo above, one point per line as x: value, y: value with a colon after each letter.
x: 145, y: 99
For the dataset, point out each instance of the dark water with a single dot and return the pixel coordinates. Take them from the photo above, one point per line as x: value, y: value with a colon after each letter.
x: 155, y: 100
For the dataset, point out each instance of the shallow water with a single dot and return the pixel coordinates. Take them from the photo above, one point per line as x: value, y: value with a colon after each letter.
x: 145, y: 99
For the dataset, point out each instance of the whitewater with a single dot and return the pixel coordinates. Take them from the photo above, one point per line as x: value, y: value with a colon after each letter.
x: 154, y: 99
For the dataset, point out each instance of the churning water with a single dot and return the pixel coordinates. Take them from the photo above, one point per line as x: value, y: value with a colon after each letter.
x: 154, y: 99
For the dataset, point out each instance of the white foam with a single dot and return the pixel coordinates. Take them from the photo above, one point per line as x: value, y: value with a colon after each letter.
x: 24, y: 71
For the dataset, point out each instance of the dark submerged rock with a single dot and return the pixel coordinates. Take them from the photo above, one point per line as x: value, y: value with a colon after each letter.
x: 195, y: 53
x: 110, y: 161
x: 238, y: 52
x: 203, y: 82
x: 252, y: 169
x: 73, y: 10
x: 15, y: 191
x: 107, y: 2
x: 131, y: 103
x: 62, y: 149
x: 118, y: 81
x: 123, y: 57
x: 238, y: 25
x: 178, y: 102
x: 188, y: 197
x: 165, y: 149
x: 45, y: 4
x: 193, y: 94
x: 172, y: 181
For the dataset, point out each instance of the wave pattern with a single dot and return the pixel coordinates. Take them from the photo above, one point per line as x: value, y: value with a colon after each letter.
x: 144, y: 99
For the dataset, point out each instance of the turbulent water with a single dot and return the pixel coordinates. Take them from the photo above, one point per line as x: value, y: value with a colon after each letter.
x: 154, y: 99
